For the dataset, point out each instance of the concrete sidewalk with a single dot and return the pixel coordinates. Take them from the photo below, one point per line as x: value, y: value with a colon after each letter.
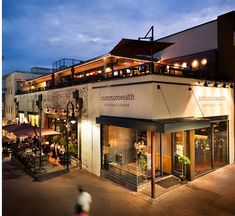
x: 213, y: 194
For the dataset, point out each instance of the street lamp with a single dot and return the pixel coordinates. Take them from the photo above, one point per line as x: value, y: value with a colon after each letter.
x: 73, y: 121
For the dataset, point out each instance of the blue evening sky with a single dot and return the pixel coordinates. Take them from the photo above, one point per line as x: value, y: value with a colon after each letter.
x: 39, y: 32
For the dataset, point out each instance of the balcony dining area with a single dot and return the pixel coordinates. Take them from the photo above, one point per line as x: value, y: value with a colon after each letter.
x: 106, y: 68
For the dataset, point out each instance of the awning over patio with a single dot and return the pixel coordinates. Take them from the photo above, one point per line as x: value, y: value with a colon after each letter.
x: 130, y: 47
x: 24, y: 130
x: 161, y: 126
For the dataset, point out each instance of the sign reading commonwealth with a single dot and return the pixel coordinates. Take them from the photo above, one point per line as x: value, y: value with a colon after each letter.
x: 127, y: 101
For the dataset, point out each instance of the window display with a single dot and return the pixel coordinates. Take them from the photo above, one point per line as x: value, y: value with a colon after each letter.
x: 126, y: 153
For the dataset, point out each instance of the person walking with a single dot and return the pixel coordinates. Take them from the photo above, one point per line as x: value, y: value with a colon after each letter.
x: 84, y: 201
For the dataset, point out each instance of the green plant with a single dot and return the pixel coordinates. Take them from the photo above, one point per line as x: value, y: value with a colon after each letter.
x: 62, y: 141
x: 55, y: 139
x: 184, y: 159
x: 142, y: 163
x: 73, y: 149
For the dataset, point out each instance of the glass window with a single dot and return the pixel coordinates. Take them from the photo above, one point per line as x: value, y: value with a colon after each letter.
x: 34, y: 120
x: 126, y: 153
x: 220, y: 144
x: 202, y: 141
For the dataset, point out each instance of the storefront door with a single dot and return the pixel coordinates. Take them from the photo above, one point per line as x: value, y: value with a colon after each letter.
x: 203, y: 150
x: 179, y: 148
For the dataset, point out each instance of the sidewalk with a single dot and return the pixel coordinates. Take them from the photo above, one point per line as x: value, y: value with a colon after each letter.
x: 213, y: 194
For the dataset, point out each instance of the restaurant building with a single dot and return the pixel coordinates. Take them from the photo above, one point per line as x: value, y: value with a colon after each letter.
x: 136, y: 121
x: 141, y: 112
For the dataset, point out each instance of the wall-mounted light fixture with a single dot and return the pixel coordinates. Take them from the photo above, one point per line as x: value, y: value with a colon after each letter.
x: 195, y: 64
x: 215, y: 84
x: 204, y: 61
x: 189, y: 88
x: 231, y: 85
x: 224, y: 85
x: 206, y: 84
x: 158, y: 87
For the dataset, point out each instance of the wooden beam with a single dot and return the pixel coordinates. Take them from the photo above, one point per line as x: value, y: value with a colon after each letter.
x: 152, y: 166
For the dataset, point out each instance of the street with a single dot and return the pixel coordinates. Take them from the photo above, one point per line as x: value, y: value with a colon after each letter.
x: 212, y: 194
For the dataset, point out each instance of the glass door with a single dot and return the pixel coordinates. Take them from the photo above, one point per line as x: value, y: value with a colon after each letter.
x: 220, y: 141
x: 203, y: 150
x: 179, y: 148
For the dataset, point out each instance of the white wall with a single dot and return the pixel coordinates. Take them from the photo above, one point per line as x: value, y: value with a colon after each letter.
x: 170, y: 101
x: 11, y: 85
x: 195, y: 40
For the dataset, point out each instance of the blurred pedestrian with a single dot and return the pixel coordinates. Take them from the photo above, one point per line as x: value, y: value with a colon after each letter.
x: 84, y: 200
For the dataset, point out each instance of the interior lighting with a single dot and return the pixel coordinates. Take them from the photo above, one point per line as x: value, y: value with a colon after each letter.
x: 204, y: 61
x: 176, y: 65
x: 215, y: 84
x: 231, y: 85
x: 184, y: 64
x: 195, y: 63
x: 108, y: 69
x: 206, y: 84
x: 224, y: 85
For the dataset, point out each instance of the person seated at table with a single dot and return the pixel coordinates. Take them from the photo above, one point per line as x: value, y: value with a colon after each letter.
x: 61, y: 153
x: 57, y: 148
x: 53, y: 150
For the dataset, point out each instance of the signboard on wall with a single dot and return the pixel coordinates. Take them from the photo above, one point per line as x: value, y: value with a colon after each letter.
x: 133, y: 101
x: 165, y: 101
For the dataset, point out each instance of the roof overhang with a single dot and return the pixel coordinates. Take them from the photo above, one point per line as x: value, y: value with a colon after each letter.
x: 161, y: 126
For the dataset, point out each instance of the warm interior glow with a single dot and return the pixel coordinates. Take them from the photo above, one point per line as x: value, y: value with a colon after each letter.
x: 176, y: 65
x: 184, y: 64
x: 108, y: 69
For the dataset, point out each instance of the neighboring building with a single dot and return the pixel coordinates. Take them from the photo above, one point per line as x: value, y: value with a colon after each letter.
x: 3, y: 98
x: 13, y: 83
x: 209, y: 48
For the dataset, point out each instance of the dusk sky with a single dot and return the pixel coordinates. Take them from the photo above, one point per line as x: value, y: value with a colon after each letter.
x: 39, y: 32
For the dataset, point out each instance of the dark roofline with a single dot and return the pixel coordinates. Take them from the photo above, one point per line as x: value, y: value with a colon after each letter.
x: 187, y: 29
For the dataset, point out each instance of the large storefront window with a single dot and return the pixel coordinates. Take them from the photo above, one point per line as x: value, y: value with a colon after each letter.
x: 203, y: 150
x: 34, y: 120
x: 127, y: 154
x: 220, y: 144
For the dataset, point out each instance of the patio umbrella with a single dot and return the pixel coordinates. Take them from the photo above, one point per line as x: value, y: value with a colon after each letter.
x: 11, y: 127
x: 32, y: 132
x: 24, y: 130
x: 138, y: 47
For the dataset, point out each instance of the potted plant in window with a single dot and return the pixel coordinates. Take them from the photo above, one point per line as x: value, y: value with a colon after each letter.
x: 142, y: 163
x: 184, y: 160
